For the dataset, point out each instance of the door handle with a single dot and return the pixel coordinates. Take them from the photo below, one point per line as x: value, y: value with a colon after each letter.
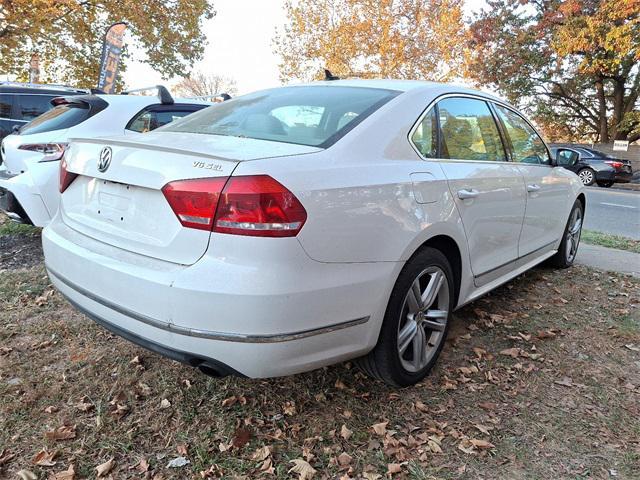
x: 468, y: 193
x: 533, y: 187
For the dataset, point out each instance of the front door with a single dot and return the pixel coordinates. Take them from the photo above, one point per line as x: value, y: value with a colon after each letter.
x: 489, y: 192
x: 545, y: 187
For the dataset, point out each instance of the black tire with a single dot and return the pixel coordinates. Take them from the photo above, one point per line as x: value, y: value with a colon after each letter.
x: 386, y: 362
x: 605, y: 184
x: 564, y: 257
x: 587, y: 176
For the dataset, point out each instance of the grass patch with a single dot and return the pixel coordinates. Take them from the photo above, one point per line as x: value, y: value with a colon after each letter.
x: 610, y: 241
x: 13, y: 228
x: 566, y: 406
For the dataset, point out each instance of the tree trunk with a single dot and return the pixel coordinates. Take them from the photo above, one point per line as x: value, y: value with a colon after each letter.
x: 618, y: 107
x: 603, y: 131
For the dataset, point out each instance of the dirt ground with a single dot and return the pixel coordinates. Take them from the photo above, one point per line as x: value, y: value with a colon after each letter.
x: 539, y: 380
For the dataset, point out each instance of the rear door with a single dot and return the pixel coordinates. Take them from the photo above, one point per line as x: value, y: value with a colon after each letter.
x: 6, y: 112
x: 488, y: 191
x: 546, y: 188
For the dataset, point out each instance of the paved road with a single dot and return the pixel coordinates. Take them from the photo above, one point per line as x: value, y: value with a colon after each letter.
x: 613, y: 211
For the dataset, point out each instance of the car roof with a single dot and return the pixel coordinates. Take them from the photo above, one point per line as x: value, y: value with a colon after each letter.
x: 401, y: 86
x: 144, y: 100
x: 57, y: 91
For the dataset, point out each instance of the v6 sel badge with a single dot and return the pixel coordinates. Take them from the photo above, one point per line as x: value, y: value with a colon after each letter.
x: 105, y: 159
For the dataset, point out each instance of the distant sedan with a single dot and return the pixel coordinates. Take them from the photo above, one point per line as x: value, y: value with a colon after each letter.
x: 593, y: 166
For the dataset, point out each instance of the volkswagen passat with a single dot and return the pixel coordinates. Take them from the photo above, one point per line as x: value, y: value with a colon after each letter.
x: 301, y: 226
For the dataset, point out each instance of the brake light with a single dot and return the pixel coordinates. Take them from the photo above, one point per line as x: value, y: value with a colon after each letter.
x: 50, y: 151
x: 66, y: 177
x: 616, y: 165
x: 254, y: 205
x: 259, y: 206
x: 194, y: 201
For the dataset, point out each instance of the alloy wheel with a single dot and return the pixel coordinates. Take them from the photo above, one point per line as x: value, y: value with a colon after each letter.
x: 573, y: 234
x: 586, y: 176
x: 423, y: 320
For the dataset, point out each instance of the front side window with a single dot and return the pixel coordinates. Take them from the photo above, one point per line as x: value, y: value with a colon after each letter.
x: 468, y: 131
x: 314, y: 116
x: 425, y: 137
x: 566, y: 157
x: 526, y: 144
x: 32, y: 106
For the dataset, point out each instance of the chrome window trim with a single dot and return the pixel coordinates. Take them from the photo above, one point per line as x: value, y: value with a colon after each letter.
x: 481, y: 97
x: 206, y: 334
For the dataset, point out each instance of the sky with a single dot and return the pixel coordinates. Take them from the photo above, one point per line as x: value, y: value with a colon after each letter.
x: 239, y: 45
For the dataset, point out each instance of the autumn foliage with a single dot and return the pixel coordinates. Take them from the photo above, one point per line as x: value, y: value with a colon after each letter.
x: 67, y: 35
x: 406, y: 39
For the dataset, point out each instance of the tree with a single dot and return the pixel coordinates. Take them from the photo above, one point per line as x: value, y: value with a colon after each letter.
x: 573, y: 63
x: 201, y: 84
x: 407, y: 39
x: 67, y: 35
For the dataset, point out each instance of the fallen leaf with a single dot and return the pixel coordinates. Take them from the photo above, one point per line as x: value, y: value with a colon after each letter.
x: 511, y: 352
x: 104, y: 468
x: 394, y: 468
x: 345, y: 432
x: 344, y: 459
x: 84, y: 405
x: 380, y: 428
x: 64, y: 432
x: 5, y: 456
x: 481, y: 443
x: 241, y: 437
x: 302, y: 468
x: 565, y: 382
x: 68, y: 474
x: 340, y: 385
x: 165, y: 403
x: 143, y: 465
x: 262, y: 453
x: 44, y: 458
x: 26, y: 475
x: 51, y: 409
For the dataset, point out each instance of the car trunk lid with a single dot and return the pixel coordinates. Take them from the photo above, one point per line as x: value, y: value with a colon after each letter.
x: 123, y: 205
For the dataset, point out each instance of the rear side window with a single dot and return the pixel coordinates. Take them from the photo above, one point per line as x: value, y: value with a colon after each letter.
x: 148, y: 120
x: 315, y: 116
x: 426, y: 135
x: 32, y: 106
x: 468, y: 131
x: 58, y: 118
x: 5, y: 106
x: 526, y: 144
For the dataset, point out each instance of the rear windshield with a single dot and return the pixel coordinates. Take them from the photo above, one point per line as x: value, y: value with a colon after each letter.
x: 315, y: 116
x: 58, y: 118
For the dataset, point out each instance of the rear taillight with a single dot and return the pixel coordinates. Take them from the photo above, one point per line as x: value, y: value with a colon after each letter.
x: 614, y: 164
x: 66, y: 177
x: 50, y: 151
x: 258, y: 205
x: 194, y: 201
x: 255, y: 205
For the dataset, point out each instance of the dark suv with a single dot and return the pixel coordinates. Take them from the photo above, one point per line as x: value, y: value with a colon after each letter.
x: 22, y: 102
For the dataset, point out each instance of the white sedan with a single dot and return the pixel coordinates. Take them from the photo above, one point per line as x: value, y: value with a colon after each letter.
x: 301, y: 226
x: 29, y: 179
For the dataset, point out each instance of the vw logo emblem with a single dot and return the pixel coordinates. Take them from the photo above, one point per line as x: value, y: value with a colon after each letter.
x: 105, y: 159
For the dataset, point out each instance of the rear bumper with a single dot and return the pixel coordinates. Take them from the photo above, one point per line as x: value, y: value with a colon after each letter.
x: 20, y: 199
x: 614, y: 176
x: 265, y: 309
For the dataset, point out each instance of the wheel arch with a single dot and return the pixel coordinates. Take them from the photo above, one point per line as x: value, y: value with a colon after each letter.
x: 450, y: 249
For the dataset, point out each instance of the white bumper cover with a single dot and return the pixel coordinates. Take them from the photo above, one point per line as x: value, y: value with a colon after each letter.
x: 254, y: 306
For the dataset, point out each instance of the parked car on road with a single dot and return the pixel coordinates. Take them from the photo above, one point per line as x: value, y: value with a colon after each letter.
x: 29, y: 185
x: 301, y: 226
x: 593, y: 166
x: 22, y: 102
